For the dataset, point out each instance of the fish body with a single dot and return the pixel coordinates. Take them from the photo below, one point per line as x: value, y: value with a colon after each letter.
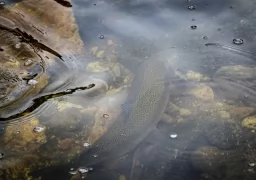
x: 146, y: 101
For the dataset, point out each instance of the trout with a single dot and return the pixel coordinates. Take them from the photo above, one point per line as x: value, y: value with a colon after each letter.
x: 146, y: 102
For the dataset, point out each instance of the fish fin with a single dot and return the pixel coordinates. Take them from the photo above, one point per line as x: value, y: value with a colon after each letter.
x: 126, y: 109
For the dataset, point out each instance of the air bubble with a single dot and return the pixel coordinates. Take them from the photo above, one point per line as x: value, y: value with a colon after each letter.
x: 193, y: 27
x: 252, y: 164
x: 205, y: 37
x: 72, y: 171
x: 86, y: 144
x: 28, y: 62
x: 32, y: 82
x: 17, y: 46
x: 83, y: 170
x: 102, y: 37
x: 191, y: 7
x: 38, y: 129
x: 105, y: 116
x: 2, y: 3
x: 173, y: 136
x: 238, y: 41
x: 95, y: 155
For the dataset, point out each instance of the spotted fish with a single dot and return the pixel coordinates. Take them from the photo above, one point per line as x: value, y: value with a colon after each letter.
x: 146, y: 101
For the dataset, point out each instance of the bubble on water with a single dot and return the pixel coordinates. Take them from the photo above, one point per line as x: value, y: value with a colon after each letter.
x: 17, y: 132
x: 238, y: 41
x: 252, y: 164
x: 86, y: 144
x: 193, y: 19
x: 205, y: 37
x: 173, y: 136
x: 83, y: 170
x: 191, y: 7
x: 95, y: 155
x: 105, y: 116
x: 193, y: 27
x: 28, y: 62
x: 2, y: 3
x: 17, y: 46
x: 72, y: 171
x: 91, y: 169
x: 32, y: 82
x: 38, y: 128
x: 1, y: 155
x: 102, y: 37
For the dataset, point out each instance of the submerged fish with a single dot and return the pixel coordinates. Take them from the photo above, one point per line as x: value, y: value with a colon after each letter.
x: 147, y: 100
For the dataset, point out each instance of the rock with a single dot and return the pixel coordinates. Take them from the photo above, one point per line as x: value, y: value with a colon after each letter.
x: 249, y: 122
x: 237, y: 72
x: 224, y: 135
x: 202, y: 92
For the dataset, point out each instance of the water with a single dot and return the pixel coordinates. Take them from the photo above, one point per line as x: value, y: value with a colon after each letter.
x: 84, y: 62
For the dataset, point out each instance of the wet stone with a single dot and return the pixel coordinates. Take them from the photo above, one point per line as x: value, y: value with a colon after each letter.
x: 224, y: 135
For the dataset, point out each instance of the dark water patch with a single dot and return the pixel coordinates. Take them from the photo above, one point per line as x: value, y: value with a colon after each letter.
x: 40, y: 100
x: 64, y: 3
x: 27, y: 38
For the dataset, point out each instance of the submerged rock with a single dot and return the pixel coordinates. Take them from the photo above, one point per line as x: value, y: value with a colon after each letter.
x: 249, y: 122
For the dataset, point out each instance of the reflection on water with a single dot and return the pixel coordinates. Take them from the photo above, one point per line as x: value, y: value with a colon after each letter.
x: 127, y: 89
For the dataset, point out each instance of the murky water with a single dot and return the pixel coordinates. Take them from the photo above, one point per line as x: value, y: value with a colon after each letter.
x: 128, y: 89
